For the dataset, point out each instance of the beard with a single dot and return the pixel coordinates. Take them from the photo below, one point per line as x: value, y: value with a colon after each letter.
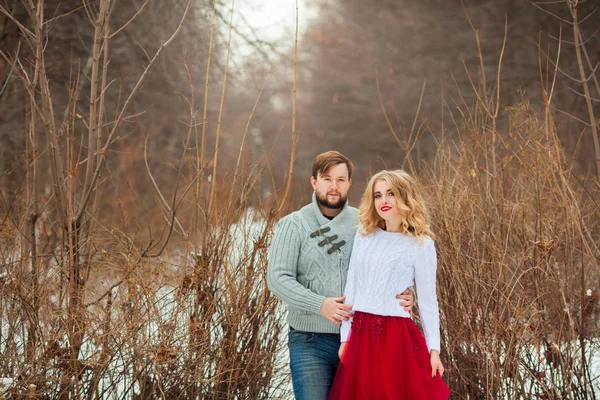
x: 339, y: 204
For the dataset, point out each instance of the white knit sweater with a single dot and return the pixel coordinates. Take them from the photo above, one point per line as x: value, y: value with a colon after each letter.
x: 384, y: 264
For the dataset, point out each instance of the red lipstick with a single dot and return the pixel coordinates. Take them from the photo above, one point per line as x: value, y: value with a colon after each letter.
x: 385, y: 208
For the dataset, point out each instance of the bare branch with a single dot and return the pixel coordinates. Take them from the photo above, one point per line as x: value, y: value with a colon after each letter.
x: 200, y: 157
x: 500, y: 67
x: 293, y: 147
x: 160, y: 195
x: 382, y: 104
x: 99, y: 29
x: 128, y: 22
x: 12, y: 67
x: 563, y: 72
x: 571, y: 115
x: 475, y: 90
x: 237, y: 165
x: 590, y: 108
x: 255, y: 42
x: 588, y: 16
x: 26, y: 32
x: 549, y: 100
x: 222, y: 105
x: 589, y: 63
x: 53, y: 19
x: 582, y: 94
x: 534, y: 3
x: 103, y: 151
x: 479, y: 55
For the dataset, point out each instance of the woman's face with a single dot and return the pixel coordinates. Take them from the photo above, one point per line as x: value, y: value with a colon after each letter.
x: 386, y: 202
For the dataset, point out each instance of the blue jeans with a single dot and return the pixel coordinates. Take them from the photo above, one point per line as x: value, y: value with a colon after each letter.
x: 313, y: 361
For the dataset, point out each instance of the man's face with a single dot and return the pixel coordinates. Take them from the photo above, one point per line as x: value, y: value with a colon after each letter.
x: 332, y: 186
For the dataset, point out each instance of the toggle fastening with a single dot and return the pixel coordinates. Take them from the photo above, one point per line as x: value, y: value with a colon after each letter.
x: 320, y: 232
x: 336, y: 246
x: 327, y: 240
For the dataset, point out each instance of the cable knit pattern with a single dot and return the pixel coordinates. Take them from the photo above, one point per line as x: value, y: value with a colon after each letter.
x: 384, y: 264
x: 308, y: 261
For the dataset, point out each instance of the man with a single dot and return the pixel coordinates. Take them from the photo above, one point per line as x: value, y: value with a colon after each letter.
x: 308, y: 264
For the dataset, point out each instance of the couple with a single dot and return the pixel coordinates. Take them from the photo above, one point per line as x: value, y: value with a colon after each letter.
x: 330, y: 274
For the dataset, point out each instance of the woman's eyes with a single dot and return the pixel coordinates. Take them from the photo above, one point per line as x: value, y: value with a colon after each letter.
x: 378, y: 195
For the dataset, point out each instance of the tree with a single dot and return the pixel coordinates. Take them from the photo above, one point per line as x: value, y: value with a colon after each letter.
x: 403, y: 44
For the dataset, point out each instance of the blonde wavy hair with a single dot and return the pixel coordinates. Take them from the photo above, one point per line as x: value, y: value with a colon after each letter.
x: 410, y: 200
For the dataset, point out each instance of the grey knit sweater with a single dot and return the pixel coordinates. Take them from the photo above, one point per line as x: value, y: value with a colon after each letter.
x: 308, y: 261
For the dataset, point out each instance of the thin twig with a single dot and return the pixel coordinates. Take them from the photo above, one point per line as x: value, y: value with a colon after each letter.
x: 590, y: 108
x: 550, y: 13
x: 288, y: 184
x: 108, y: 142
x: 237, y: 165
x: 558, y: 51
x: 160, y: 195
x: 99, y: 29
x: 479, y: 53
x: 202, y: 146
x: 382, y: 105
x: 583, y: 95
x: 213, y: 186
x: 128, y: 22
x: 589, y: 62
x: 26, y: 32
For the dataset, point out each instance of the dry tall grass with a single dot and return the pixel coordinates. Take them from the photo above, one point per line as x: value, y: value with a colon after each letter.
x: 198, y: 324
x: 89, y: 309
x: 516, y: 263
x: 518, y: 241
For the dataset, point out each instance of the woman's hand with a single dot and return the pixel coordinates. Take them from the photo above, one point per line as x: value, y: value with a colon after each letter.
x: 436, y: 364
x: 341, y: 350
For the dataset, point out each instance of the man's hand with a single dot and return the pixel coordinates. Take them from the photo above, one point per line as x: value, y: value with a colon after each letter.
x: 407, y: 300
x: 341, y: 350
x: 334, y: 309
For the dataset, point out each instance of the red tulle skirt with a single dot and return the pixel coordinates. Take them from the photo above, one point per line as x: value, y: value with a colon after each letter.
x: 386, y: 358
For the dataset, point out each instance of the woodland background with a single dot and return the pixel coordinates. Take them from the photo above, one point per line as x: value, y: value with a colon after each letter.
x: 148, y: 147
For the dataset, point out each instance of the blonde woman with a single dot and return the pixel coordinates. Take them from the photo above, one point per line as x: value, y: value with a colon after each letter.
x: 383, y: 353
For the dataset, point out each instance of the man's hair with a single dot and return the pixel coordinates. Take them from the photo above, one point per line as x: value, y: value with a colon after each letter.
x: 324, y: 161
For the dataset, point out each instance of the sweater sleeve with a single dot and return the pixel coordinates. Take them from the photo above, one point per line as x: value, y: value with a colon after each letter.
x: 425, y: 277
x: 283, y: 268
x: 350, y: 290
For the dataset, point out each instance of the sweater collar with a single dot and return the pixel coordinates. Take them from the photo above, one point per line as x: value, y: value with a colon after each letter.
x: 333, y: 234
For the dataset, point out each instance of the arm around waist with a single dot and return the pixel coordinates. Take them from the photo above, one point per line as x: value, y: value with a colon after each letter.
x: 282, y: 272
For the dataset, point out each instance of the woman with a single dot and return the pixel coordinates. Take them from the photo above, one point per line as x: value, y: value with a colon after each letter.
x: 383, y: 353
